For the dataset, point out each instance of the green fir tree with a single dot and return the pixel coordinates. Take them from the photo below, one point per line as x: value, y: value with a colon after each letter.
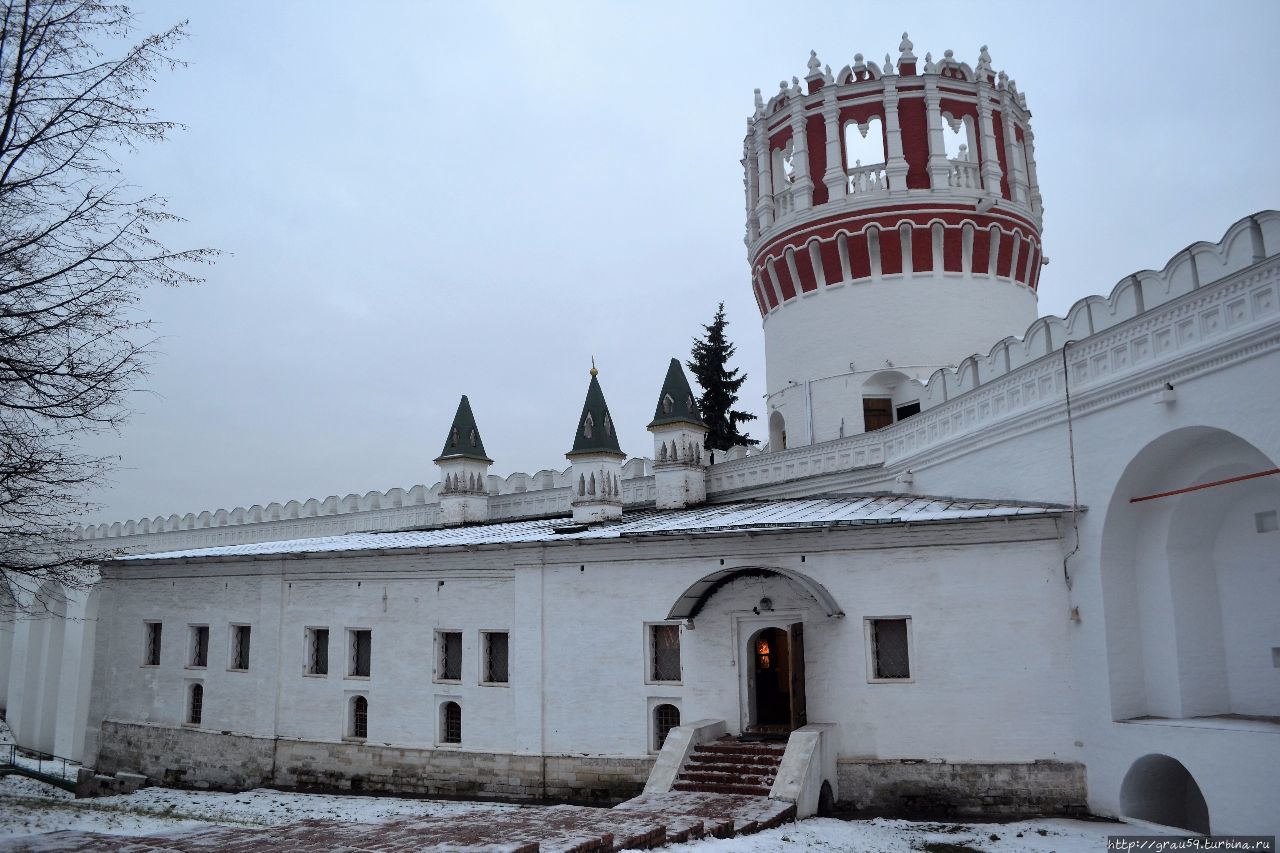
x: 710, y: 365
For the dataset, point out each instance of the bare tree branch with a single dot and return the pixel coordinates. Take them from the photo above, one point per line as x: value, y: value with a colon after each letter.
x: 77, y: 250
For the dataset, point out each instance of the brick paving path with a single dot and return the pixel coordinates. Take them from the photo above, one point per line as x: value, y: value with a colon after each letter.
x: 646, y: 822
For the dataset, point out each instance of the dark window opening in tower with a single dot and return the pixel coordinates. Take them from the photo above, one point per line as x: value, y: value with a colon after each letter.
x: 906, y: 410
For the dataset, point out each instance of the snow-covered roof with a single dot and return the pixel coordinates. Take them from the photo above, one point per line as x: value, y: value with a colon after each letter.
x: 838, y: 511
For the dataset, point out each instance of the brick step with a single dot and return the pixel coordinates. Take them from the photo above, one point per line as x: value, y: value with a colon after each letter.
x: 738, y: 748
x: 716, y: 788
x: 720, y: 778
x: 736, y: 760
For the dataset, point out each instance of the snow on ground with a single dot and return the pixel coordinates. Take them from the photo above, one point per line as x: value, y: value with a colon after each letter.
x: 1059, y: 835
x: 28, y: 807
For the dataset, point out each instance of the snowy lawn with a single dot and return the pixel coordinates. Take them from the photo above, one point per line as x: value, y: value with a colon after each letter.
x: 29, y: 808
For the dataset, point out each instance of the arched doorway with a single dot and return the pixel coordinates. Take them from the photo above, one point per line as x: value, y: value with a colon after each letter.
x: 776, y: 680
x: 1159, y: 789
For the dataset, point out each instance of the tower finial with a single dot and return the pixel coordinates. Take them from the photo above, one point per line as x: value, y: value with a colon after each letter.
x: 815, y: 65
x: 594, y: 372
x: 905, y: 49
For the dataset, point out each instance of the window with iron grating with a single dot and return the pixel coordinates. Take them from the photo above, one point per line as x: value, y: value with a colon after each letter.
x: 195, y: 709
x: 151, y: 652
x: 317, y: 651
x: 889, y: 644
x: 495, y: 657
x: 359, y: 717
x: 665, y: 651
x: 449, y: 650
x: 665, y: 718
x: 451, y: 723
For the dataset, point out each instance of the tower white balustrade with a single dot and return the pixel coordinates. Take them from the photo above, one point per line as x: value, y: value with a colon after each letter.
x: 893, y: 228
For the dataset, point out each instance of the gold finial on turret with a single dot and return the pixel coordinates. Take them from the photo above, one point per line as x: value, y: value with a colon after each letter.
x: 594, y: 372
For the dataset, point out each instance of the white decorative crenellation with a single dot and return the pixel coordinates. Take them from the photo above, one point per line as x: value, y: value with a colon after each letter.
x: 1247, y: 242
x: 394, y: 509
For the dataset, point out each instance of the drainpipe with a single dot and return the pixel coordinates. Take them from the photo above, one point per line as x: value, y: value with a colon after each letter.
x: 808, y: 410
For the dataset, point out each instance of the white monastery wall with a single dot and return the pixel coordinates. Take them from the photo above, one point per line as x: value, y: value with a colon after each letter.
x: 563, y: 699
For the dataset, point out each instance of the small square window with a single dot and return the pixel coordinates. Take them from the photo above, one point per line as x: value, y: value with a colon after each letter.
x: 664, y: 652
x: 317, y: 651
x: 199, y: 646
x: 151, y: 643
x: 1266, y: 522
x: 889, y: 644
x: 449, y: 656
x: 239, y: 648
x: 495, y: 657
x: 361, y: 651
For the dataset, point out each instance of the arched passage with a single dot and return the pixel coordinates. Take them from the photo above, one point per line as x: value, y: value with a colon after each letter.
x: 1158, y: 789
x: 1190, y: 581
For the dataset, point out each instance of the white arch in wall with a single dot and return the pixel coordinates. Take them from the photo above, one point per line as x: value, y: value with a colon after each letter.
x: 1158, y: 789
x: 777, y: 431
x: 1189, y: 587
x: 692, y: 600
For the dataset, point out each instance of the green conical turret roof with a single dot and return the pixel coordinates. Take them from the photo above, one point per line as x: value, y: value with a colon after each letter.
x: 595, y: 427
x: 676, y: 403
x: 463, y: 440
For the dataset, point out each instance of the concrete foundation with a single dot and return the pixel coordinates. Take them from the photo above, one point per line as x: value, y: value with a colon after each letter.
x: 908, y: 787
x: 201, y: 759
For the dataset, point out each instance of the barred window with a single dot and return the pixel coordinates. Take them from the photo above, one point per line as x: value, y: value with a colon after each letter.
x: 317, y: 651
x: 199, y: 645
x: 449, y: 656
x: 151, y: 644
x: 889, y: 648
x: 240, y: 647
x: 664, y: 645
x: 359, y: 717
x: 665, y: 718
x: 495, y: 657
x: 361, y: 651
x: 451, y: 723
x: 195, y: 705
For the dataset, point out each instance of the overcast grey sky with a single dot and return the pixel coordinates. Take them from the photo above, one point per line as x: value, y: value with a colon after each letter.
x: 422, y: 200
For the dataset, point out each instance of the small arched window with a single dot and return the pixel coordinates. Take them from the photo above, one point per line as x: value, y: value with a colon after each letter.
x: 588, y: 425
x: 359, y: 717
x: 451, y: 723
x: 195, y: 704
x: 665, y: 718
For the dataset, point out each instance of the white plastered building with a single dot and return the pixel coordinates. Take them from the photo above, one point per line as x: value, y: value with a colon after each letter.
x: 1041, y: 577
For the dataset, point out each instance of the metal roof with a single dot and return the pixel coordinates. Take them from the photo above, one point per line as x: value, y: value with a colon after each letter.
x: 775, y: 515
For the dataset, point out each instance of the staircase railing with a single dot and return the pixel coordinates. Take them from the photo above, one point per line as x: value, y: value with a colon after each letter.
x: 44, y: 766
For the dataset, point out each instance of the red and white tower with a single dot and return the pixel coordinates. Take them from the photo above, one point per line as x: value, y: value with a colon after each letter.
x: 893, y: 228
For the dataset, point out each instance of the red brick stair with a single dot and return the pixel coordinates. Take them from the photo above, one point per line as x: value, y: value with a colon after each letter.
x: 730, y: 766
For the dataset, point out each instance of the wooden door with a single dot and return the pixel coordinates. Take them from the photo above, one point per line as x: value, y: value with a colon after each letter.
x: 799, y: 713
